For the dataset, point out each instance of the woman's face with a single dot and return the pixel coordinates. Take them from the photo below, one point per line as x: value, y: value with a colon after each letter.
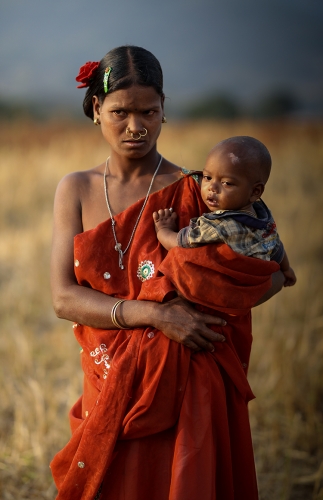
x: 136, y: 108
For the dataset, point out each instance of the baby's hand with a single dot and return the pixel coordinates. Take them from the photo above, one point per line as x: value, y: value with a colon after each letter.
x: 290, y: 277
x: 165, y: 219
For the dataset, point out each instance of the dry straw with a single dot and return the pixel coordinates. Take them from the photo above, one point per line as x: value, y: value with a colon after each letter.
x: 40, y: 374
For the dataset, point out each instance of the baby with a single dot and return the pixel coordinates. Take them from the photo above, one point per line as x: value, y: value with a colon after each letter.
x: 234, y: 179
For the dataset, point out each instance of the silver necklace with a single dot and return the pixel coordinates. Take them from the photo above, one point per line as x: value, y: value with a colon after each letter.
x: 113, y: 222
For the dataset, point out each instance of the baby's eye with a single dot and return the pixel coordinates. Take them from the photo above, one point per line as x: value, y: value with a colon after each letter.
x: 226, y: 183
x: 207, y: 177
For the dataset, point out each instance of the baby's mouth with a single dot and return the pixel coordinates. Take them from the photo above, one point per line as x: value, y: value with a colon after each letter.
x: 212, y: 200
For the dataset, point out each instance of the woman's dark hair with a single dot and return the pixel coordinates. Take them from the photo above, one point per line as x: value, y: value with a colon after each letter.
x: 130, y: 65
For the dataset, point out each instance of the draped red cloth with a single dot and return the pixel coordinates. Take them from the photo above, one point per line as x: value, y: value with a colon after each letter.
x: 156, y: 421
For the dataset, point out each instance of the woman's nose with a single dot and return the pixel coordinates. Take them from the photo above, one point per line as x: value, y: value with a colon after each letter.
x: 134, y: 124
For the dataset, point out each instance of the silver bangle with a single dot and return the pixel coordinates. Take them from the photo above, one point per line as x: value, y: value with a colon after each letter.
x: 113, y: 315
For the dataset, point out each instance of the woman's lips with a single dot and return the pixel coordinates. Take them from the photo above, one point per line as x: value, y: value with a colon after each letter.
x: 134, y: 143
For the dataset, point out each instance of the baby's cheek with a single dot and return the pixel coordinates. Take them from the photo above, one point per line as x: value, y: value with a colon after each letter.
x: 203, y: 192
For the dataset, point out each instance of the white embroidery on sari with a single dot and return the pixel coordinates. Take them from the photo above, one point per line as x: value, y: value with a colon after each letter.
x: 100, y: 356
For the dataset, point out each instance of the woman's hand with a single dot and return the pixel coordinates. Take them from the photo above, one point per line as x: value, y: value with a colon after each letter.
x: 180, y: 321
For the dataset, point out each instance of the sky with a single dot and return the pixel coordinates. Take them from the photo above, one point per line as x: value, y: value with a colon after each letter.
x: 243, y: 47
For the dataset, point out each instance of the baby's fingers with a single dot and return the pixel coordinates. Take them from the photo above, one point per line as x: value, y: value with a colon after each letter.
x: 164, y: 213
x: 173, y: 215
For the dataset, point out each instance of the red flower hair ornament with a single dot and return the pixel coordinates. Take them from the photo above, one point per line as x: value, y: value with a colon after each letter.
x: 86, y: 74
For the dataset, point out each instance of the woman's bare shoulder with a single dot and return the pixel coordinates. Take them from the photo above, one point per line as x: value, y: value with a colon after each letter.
x: 168, y: 174
x: 80, y: 178
x: 72, y: 195
x: 75, y: 185
x: 170, y: 168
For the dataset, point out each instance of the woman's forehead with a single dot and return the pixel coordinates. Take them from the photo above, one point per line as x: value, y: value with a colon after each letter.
x: 134, y: 97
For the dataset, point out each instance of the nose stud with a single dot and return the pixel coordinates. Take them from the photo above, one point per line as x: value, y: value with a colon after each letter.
x: 132, y: 134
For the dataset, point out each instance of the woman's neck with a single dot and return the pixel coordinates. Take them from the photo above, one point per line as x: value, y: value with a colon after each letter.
x: 127, y: 169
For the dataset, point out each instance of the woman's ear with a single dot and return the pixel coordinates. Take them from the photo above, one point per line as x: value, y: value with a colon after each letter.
x: 257, y: 191
x: 96, y: 107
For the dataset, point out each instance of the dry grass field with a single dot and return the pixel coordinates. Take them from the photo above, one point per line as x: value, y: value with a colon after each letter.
x: 40, y: 376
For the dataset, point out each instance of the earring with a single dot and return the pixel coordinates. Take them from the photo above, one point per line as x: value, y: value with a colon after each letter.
x: 96, y: 121
x: 164, y: 119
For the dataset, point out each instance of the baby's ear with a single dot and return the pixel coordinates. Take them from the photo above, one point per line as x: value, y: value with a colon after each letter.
x: 257, y: 191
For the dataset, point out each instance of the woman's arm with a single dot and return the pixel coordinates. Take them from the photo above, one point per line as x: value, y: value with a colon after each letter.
x: 277, y: 284
x: 178, y: 320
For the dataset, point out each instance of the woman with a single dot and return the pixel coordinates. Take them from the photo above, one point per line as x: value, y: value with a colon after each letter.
x: 155, y: 421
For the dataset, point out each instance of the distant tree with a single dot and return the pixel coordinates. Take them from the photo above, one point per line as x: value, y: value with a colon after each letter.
x: 12, y: 110
x: 278, y: 103
x: 213, y: 106
x: 5, y: 109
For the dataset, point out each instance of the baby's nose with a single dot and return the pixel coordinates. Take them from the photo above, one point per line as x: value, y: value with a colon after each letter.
x: 214, y: 187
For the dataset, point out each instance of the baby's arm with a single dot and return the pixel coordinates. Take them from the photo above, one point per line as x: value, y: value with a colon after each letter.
x: 166, y: 227
x: 290, y: 277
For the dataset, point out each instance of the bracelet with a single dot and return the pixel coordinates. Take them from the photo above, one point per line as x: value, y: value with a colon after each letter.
x: 114, y: 318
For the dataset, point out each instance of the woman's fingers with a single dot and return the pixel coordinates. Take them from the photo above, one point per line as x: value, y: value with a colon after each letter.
x: 184, y: 324
x: 191, y: 345
x: 204, y: 337
x: 195, y: 340
x: 206, y: 319
x: 181, y: 322
x: 213, y: 320
x: 185, y: 339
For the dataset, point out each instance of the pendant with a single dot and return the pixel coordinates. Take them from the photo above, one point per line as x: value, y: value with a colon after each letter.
x: 118, y: 249
x: 113, y: 222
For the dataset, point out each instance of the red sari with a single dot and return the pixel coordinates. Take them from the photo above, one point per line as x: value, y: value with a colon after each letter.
x: 156, y: 421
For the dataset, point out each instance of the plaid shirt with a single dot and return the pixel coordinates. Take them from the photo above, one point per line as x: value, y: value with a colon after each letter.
x: 244, y: 233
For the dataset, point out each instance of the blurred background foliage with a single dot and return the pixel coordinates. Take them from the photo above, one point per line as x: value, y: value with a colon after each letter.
x: 276, y: 103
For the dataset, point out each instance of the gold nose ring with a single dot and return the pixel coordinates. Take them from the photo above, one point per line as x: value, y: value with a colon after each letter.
x: 132, y: 135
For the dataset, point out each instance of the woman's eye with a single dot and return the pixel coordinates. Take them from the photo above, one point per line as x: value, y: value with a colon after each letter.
x: 119, y: 112
x: 149, y: 112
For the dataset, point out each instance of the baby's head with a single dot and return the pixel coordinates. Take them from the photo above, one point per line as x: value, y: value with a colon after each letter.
x: 235, y: 174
